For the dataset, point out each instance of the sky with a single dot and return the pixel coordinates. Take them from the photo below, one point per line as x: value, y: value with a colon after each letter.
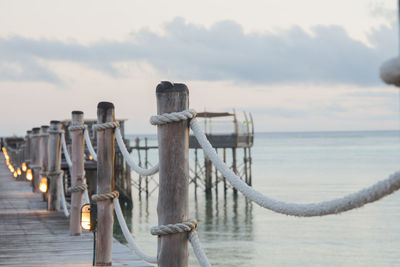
x: 306, y: 65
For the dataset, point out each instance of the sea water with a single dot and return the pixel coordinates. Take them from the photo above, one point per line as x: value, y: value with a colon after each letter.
x: 299, y: 168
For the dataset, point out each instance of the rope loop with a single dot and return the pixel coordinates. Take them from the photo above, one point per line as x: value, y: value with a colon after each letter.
x: 35, y: 166
x: 186, y: 226
x: 54, y: 173
x: 173, y: 117
x: 78, y: 188
x: 77, y: 128
x: 51, y: 131
x: 105, y: 196
x: 105, y: 126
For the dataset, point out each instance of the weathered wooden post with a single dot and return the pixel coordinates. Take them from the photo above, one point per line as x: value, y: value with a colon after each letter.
x: 44, y: 158
x: 172, y: 207
x: 78, y: 169
x: 35, y: 159
x: 105, y: 184
x: 27, y: 154
x: 54, y: 150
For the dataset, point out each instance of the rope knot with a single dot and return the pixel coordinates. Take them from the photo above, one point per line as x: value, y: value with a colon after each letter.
x: 105, y: 196
x: 77, y: 128
x: 186, y: 226
x: 173, y: 117
x: 105, y: 126
x: 78, y: 188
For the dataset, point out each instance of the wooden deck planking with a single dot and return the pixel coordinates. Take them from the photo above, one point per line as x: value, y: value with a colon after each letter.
x: 32, y: 236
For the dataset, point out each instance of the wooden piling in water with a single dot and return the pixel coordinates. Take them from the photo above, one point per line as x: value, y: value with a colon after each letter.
x: 54, y: 148
x: 208, y: 173
x: 77, y: 172
x: 173, y: 175
x: 105, y: 184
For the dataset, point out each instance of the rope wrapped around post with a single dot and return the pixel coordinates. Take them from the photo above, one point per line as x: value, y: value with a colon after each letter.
x: 105, y: 196
x: 173, y: 117
x: 73, y: 128
x: 77, y: 188
x: 189, y: 226
x: 105, y: 126
x: 35, y: 166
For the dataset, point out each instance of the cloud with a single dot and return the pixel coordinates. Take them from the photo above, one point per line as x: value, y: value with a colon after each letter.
x: 220, y: 53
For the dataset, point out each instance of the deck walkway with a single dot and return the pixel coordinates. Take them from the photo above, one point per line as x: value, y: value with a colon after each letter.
x: 32, y: 236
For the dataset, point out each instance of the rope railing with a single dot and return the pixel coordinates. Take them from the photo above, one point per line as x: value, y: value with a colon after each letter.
x: 128, y: 236
x: 65, y: 149
x: 349, y: 202
x: 89, y: 143
x: 128, y: 158
x: 62, y: 195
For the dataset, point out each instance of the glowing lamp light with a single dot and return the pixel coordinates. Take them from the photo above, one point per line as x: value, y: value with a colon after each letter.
x: 88, y: 217
x: 15, y: 174
x: 4, y: 149
x: 24, y: 167
x: 19, y: 171
x: 29, y: 175
x: 12, y: 170
x: 90, y: 157
x: 43, y: 185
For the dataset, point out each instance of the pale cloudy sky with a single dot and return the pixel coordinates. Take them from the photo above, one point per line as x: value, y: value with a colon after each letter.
x: 296, y: 65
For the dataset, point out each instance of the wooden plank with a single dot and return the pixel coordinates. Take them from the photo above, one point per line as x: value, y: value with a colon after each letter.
x: 32, y: 236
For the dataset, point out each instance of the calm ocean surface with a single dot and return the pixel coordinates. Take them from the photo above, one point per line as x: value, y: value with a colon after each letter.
x: 296, y: 167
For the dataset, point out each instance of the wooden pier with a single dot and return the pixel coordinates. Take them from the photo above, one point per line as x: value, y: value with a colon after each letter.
x: 32, y: 236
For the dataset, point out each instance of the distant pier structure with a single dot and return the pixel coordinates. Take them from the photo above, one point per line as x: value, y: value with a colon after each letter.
x: 231, y: 135
x: 227, y: 134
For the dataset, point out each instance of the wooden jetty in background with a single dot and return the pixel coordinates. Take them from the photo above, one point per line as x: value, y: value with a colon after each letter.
x: 225, y: 131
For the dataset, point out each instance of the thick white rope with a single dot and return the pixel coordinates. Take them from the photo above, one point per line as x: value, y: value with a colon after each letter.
x: 63, y: 201
x: 128, y: 158
x: 173, y: 117
x: 105, y: 126
x: 128, y: 235
x: 66, y: 154
x: 105, y: 196
x: 89, y: 144
x: 197, y: 249
x: 351, y: 201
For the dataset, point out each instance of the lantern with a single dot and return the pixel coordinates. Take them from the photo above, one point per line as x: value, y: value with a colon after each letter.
x: 43, y: 185
x: 24, y: 167
x: 29, y: 175
x: 19, y: 171
x: 89, y: 217
x: 15, y: 174
x: 90, y: 157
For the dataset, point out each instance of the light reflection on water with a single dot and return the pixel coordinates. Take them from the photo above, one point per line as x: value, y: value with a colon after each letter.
x: 300, y: 168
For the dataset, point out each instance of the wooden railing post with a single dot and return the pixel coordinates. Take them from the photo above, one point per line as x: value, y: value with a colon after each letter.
x: 105, y: 184
x: 173, y: 140
x: 44, y: 165
x: 77, y: 175
x: 27, y: 152
x: 54, y: 150
x: 35, y: 159
x: 44, y: 138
